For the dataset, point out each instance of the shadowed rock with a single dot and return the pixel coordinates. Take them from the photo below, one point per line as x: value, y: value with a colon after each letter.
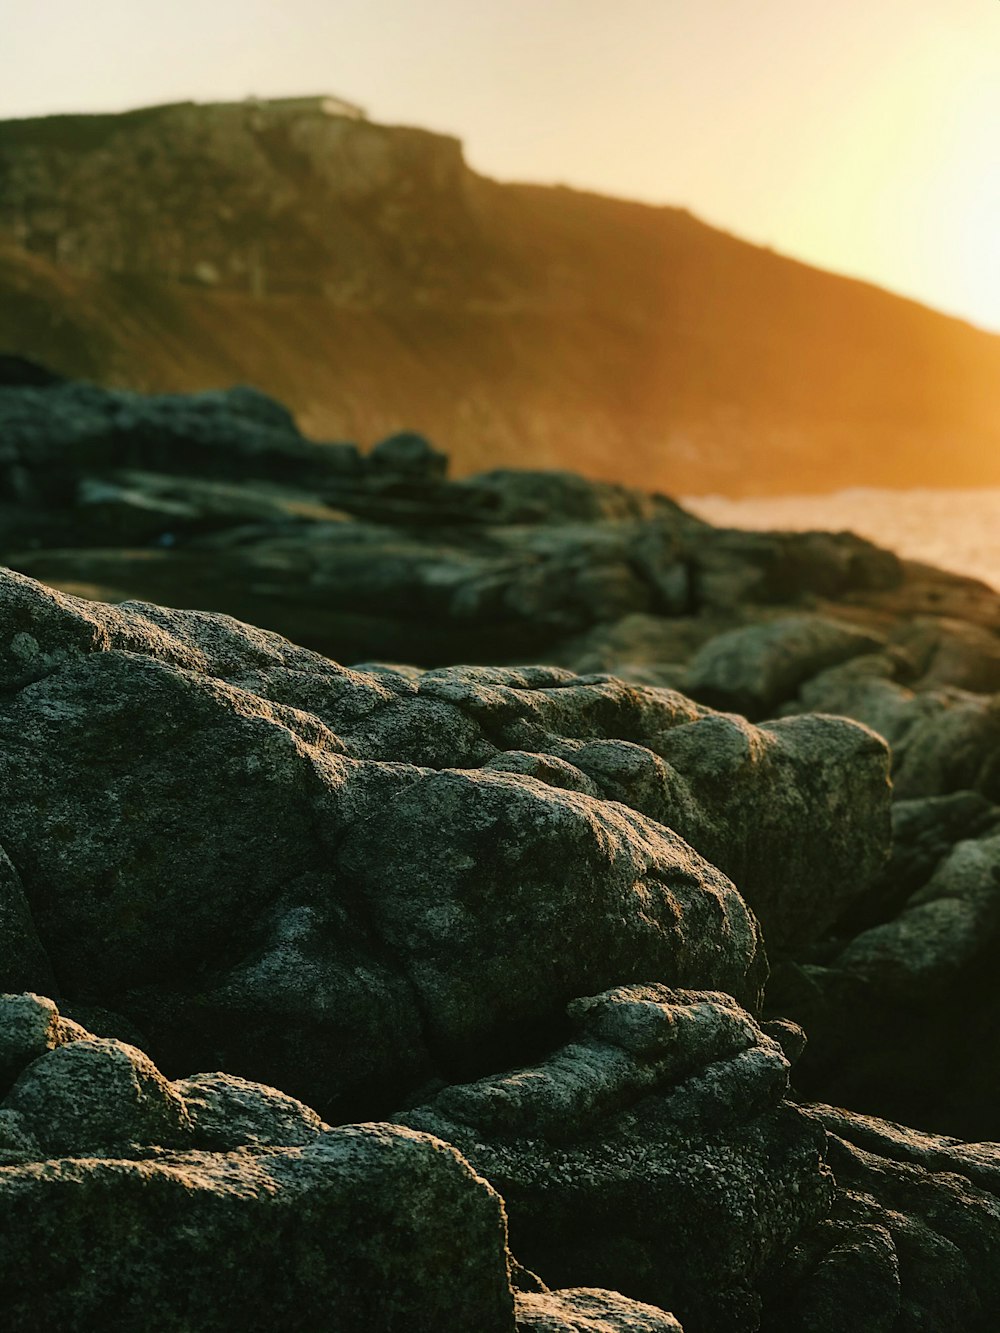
x: 912, y: 1242
x: 942, y: 740
x: 383, y: 869
x: 899, y: 999
x: 753, y: 670
x: 218, y: 498
x: 220, y: 1204
x: 369, y: 1227
x: 653, y: 1153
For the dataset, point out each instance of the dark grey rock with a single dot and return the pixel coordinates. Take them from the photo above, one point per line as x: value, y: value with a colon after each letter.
x: 17, y: 1143
x: 899, y: 998
x: 823, y: 778
x: 376, y: 555
x: 754, y: 669
x: 640, y: 648
x: 30, y: 1026
x: 227, y: 1112
x: 950, y: 652
x: 653, y: 1153
x: 911, y: 1243
x: 546, y: 768
x: 22, y: 373
x: 923, y: 833
x: 94, y: 1094
x: 368, y: 1229
x: 268, y: 1214
x: 740, y: 794
x: 376, y: 896
x: 944, y: 929
x: 23, y: 961
x: 533, y: 889
x: 733, y: 569
x: 942, y: 740
x: 409, y: 455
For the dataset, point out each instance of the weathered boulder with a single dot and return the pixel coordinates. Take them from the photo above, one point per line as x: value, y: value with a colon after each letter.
x: 30, y: 1026
x: 519, y: 881
x: 419, y: 862
x: 221, y: 1204
x: 754, y: 669
x: 124, y: 747
x: 912, y: 1242
x: 804, y: 763
x: 373, y: 887
x: 94, y: 1094
x: 368, y: 1229
x: 75, y: 1093
x: 942, y: 740
x: 652, y: 1155
x: 705, y: 775
x: 226, y: 1112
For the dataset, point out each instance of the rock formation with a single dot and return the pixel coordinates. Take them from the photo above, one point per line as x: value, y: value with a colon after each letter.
x: 129, y: 1202
x: 408, y: 855
x: 366, y: 556
x: 408, y: 995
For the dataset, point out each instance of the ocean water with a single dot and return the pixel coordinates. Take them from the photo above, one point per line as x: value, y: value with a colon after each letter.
x: 955, y: 529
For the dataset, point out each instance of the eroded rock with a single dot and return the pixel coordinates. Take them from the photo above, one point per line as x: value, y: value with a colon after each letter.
x: 368, y: 1227
x: 911, y: 1242
x: 96, y: 1093
x: 754, y: 669
x: 30, y: 1026
x: 653, y: 1154
x: 420, y: 863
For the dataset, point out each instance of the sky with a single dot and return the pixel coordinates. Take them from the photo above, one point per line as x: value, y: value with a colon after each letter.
x: 859, y: 135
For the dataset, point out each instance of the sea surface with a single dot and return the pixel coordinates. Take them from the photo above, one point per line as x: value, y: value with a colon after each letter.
x: 956, y: 529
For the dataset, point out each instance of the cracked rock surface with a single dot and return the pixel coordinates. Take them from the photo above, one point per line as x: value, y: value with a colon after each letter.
x: 333, y: 880
x: 517, y: 918
x: 654, y: 1153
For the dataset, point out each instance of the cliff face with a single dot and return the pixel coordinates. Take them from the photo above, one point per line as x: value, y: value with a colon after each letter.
x: 366, y: 276
x: 245, y: 198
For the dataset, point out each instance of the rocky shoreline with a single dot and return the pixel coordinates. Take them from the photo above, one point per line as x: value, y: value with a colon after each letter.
x: 532, y: 952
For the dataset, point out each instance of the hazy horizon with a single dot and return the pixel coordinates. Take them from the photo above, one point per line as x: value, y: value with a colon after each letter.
x: 860, y: 142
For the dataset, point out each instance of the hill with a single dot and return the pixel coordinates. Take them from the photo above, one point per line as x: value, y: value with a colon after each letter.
x: 366, y: 276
